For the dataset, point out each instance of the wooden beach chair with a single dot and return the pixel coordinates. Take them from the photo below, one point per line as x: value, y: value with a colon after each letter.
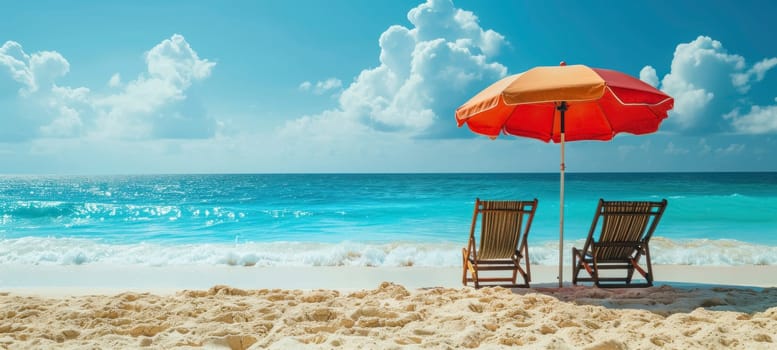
x: 626, y: 228
x: 504, y: 228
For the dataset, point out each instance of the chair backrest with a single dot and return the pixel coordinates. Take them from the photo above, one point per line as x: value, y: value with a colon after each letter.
x: 624, y: 226
x: 504, y: 225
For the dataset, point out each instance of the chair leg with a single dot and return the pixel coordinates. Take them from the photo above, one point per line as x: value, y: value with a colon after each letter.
x: 467, y: 266
x: 630, y: 273
x: 575, y: 268
x: 649, y: 277
x: 464, y: 255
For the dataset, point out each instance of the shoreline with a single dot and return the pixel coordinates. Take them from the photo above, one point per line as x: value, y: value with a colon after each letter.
x: 103, y: 279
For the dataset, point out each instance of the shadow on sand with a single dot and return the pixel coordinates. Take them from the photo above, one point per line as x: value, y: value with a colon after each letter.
x: 665, y: 298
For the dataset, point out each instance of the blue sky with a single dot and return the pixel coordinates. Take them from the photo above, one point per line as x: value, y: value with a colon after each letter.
x: 96, y: 87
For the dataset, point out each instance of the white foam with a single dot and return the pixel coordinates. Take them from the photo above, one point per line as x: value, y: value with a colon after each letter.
x: 71, y: 251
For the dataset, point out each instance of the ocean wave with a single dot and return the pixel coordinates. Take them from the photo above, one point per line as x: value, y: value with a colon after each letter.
x: 73, y: 251
x: 66, y: 213
x: 38, y: 209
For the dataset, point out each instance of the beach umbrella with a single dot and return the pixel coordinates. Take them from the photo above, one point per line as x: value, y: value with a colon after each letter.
x: 566, y: 103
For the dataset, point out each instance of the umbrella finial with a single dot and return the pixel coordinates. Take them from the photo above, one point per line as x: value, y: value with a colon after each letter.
x: 562, y: 63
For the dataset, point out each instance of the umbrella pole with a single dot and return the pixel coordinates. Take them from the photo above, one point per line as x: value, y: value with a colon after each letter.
x: 562, y: 108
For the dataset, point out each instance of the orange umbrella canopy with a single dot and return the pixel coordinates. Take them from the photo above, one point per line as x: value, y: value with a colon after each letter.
x: 599, y: 104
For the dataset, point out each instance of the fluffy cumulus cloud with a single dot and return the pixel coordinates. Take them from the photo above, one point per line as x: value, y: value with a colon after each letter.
x: 26, y: 89
x: 711, y: 86
x: 32, y: 71
x: 425, y: 71
x: 153, y: 105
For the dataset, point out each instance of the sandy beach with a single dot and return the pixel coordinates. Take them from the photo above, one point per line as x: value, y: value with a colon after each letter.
x: 354, y: 308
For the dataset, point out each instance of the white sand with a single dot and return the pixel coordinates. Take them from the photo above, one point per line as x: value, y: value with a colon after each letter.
x: 341, y: 307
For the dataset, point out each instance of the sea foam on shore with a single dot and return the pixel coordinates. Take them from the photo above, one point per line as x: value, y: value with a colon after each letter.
x: 72, y: 251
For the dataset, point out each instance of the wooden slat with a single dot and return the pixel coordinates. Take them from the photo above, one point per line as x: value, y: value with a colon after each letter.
x: 625, y: 230
x: 504, y: 228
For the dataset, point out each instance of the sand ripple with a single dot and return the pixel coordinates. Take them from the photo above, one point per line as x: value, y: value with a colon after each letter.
x: 393, y: 317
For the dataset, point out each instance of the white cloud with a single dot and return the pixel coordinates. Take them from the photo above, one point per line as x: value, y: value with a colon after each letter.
x: 690, y: 103
x: 321, y: 87
x: 425, y: 72
x: 115, y: 80
x: 174, y: 61
x: 697, y: 69
x: 172, y: 66
x: 732, y: 149
x: 32, y: 76
x: 760, y: 68
x: 68, y: 123
x: 704, y: 80
x: 675, y: 150
x: 149, y: 106
x: 757, y: 73
x: 648, y: 75
x: 67, y: 107
x: 759, y: 120
x: 329, y: 84
x: 35, y: 71
x: 80, y: 94
x: 438, y: 19
x: 13, y: 58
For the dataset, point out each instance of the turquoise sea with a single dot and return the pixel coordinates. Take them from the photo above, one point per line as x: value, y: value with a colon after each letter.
x: 363, y: 219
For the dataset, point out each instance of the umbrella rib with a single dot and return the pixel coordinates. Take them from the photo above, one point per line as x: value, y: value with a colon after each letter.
x: 636, y: 103
x: 606, y: 120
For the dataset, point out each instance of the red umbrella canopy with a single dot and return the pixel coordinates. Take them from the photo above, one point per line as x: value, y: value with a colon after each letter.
x: 600, y: 103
